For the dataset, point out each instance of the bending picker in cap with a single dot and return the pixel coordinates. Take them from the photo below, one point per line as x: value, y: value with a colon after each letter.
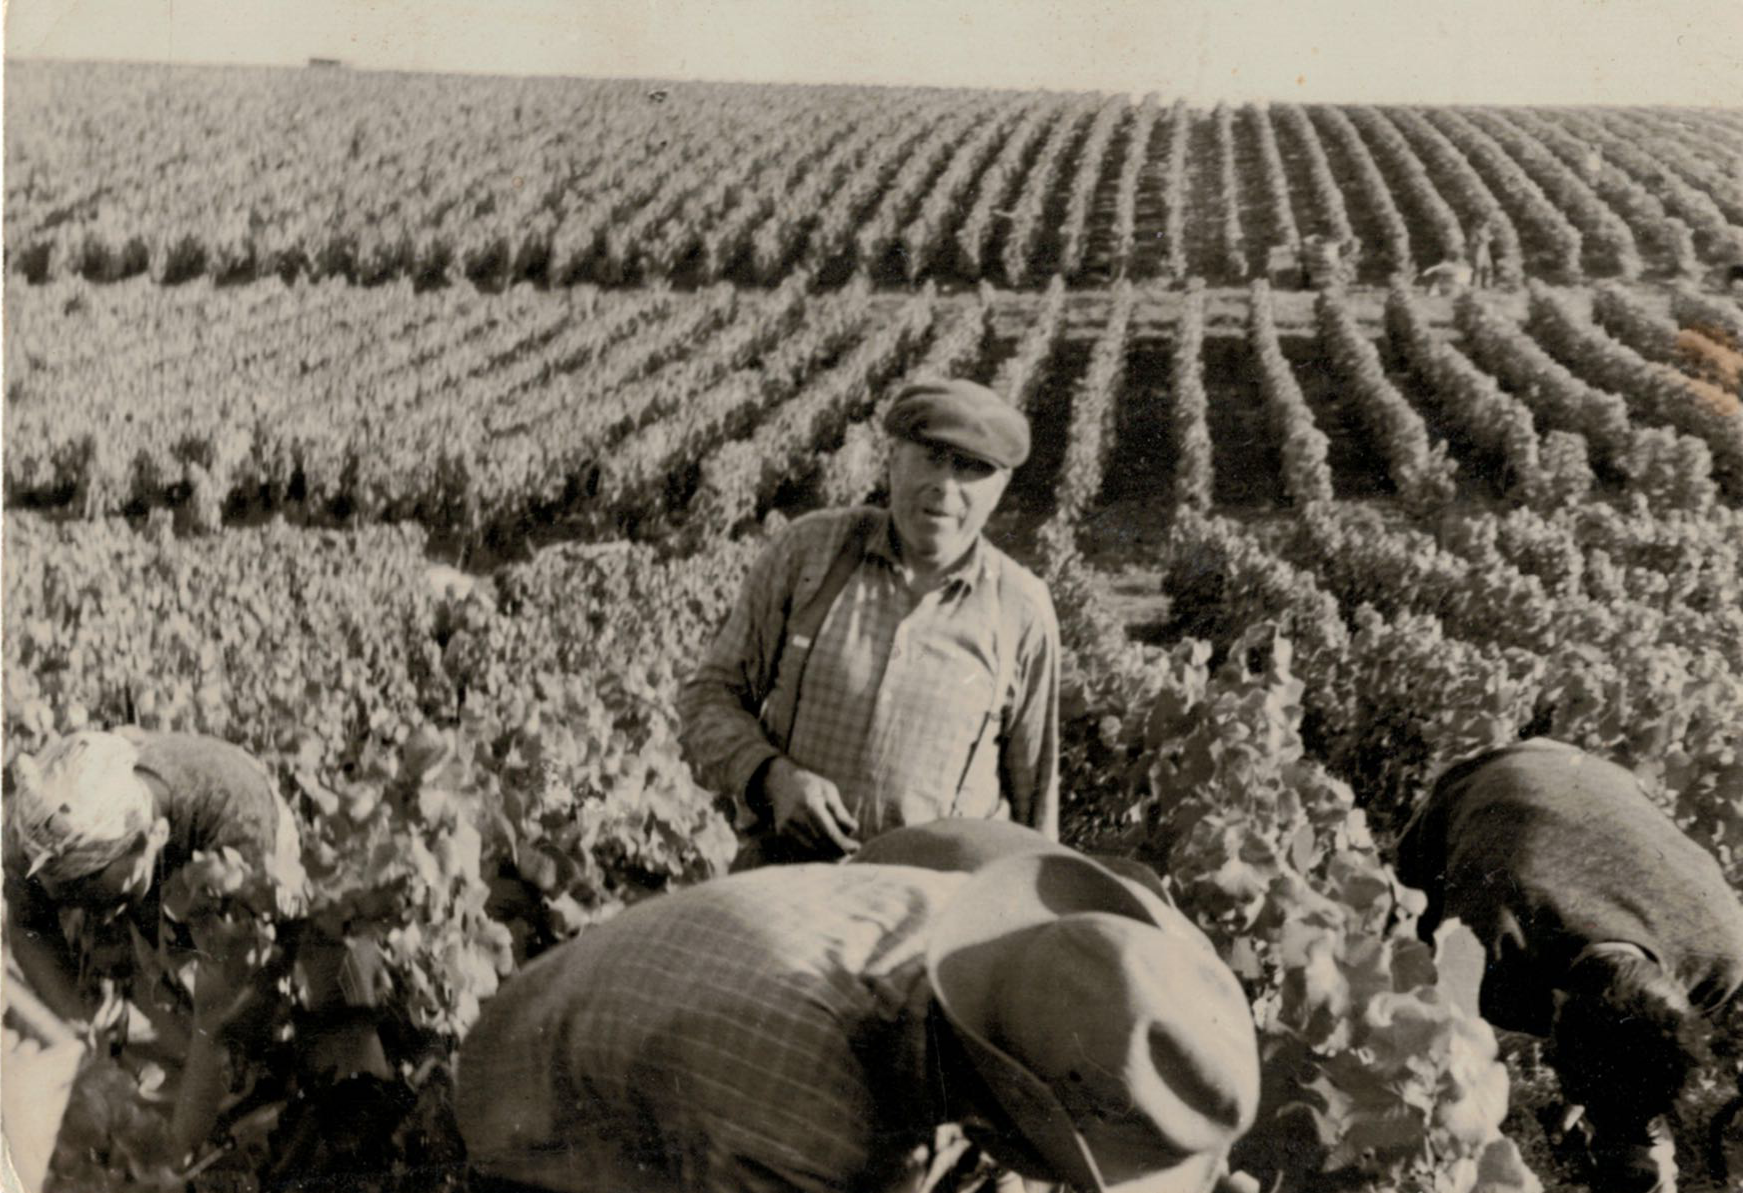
x: 812, y: 1028
x: 1607, y: 930
x: 888, y: 667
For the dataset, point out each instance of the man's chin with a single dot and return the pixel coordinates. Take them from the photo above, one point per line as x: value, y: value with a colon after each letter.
x: 934, y: 551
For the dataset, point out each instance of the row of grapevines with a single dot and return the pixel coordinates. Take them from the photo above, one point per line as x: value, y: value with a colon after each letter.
x: 899, y: 203
x: 1194, y: 469
x: 1025, y: 226
x: 1205, y: 772
x: 1379, y: 1066
x: 1020, y: 376
x: 1715, y: 239
x: 1713, y: 317
x: 1551, y: 471
x: 1306, y: 475
x: 1611, y: 553
x: 1454, y: 175
x: 1410, y: 179
x: 1672, y: 470
x: 1642, y: 212
x: 1699, y: 159
x: 1422, y: 473
x: 1654, y: 688
x: 645, y: 474
x: 1331, y: 218
x: 1389, y: 700
x: 1394, y: 236
x: 1174, y: 191
x: 996, y: 186
x: 1283, y: 227
x: 1231, y: 243
x: 1560, y: 241
x: 1618, y: 312
x: 1126, y: 195
x: 1690, y: 349
x: 1661, y: 393
x: 1607, y: 240
x: 926, y: 241
x: 1074, y: 236
x: 1094, y: 399
x: 741, y: 474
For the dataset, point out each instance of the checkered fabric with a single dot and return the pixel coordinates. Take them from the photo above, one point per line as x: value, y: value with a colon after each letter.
x: 898, y: 688
x: 762, y: 1032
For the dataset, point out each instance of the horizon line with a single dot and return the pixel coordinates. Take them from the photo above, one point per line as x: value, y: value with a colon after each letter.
x: 1209, y: 101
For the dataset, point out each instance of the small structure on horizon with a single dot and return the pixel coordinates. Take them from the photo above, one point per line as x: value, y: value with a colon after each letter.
x: 329, y: 63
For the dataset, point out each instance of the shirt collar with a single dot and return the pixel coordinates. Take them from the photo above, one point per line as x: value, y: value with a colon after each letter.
x: 972, y: 568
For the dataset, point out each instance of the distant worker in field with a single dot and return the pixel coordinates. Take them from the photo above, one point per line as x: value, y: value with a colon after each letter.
x: 888, y: 667
x: 1447, y: 277
x: 100, y: 824
x: 1326, y: 262
x: 878, y: 1028
x: 1482, y: 245
x: 1607, y: 930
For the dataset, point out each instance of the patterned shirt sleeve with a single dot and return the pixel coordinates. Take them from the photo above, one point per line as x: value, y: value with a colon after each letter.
x: 718, y: 705
x: 1029, y: 760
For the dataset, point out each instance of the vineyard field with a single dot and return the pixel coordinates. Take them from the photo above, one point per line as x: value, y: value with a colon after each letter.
x: 414, y: 432
x: 169, y: 173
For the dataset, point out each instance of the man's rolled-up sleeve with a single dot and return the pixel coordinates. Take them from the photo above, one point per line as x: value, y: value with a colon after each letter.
x: 1029, y: 761
x: 722, y: 739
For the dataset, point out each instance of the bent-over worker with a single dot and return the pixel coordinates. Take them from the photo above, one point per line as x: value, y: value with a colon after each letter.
x: 804, y: 1028
x: 96, y: 823
x: 1607, y: 930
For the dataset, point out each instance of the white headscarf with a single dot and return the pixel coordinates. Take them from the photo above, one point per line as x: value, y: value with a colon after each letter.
x: 78, y: 805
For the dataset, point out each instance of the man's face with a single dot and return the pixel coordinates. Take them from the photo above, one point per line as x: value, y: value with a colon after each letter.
x: 940, y: 498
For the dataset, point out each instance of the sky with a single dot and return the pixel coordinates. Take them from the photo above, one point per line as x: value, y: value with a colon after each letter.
x: 1427, y: 51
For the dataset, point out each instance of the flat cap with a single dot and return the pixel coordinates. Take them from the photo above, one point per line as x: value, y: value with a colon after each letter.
x: 968, y: 417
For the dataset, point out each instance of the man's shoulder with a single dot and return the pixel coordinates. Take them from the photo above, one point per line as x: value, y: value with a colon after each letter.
x: 820, y: 533
x: 1034, y: 603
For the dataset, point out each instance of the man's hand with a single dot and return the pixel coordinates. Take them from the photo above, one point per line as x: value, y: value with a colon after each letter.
x: 808, y: 808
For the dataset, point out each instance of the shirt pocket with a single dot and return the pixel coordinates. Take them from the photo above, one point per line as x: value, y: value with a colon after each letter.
x: 945, y: 716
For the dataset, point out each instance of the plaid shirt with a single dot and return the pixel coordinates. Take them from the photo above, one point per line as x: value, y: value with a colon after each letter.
x: 763, y: 1032
x: 896, y: 696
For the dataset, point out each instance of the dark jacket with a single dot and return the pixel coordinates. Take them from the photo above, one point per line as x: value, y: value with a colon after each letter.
x: 214, y: 795
x: 1542, y: 849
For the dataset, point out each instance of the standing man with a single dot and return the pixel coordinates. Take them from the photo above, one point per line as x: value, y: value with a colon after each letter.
x: 1483, y: 254
x: 888, y: 667
x: 879, y: 1028
x: 1607, y: 930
